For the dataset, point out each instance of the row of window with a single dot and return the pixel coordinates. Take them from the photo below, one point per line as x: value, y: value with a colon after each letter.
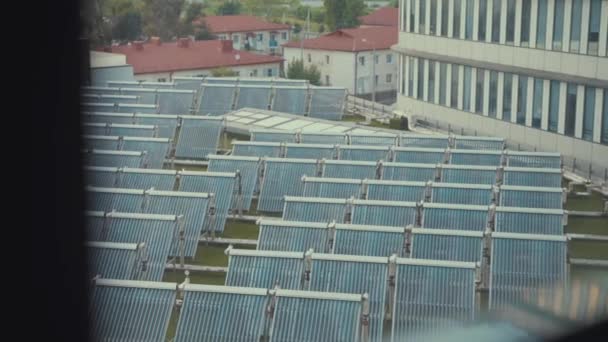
x: 516, y: 98
x: 258, y: 37
x: 537, y: 23
x: 389, y: 59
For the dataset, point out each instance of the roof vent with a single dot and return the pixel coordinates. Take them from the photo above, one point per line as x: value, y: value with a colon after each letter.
x: 139, y: 45
x: 183, y: 42
x: 155, y: 41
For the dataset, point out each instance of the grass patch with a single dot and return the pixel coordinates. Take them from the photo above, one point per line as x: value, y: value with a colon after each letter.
x: 353, y: 118
x: 210, y: 255
x: 172, y: 328
x: 588, y: 273
x: 587, y: 225
x: 241, y: 230
x: 588, y: 249
x: 595, y: 202
x: 199, y: 168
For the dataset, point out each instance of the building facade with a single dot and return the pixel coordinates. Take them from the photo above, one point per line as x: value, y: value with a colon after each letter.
x: 534, y: 72
x: 249, y: 32
x: 160, y: 62
x: 349, y: 58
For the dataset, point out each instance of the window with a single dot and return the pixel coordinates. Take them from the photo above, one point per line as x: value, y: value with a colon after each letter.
x: 553, y: 106
x: 162, y: 80
x: 537, y: 104
x: 376, y: 80
x: 466, y: 103
x: 445, y: 12
x: 570, y: 110
x: 604, y: 136
x: 269, y: 72
x: 309, y: 59
x: 455, y: 82
x: 326, y: 59
x: 575, y: 26
x: 433, y: 23
x: 468, y: 26
x: 410, y: 78
x: 361, y: 60
x: 589, y: 113
x: 493, y: 93
x: 235, y: 38
x: 422, y: 20
x: 558, y: 24
x: 420, y: 78
x: 442, y: 83
x: 496, y: 21
x: 541, y: 28
x: 522, y: 99
x: 525, y: 23
x: 431, y: 83
x: 507, y: 92
x: 284, y: 35
x: 510, y: 22
x: 326, y: 79
x: 389, y: 59
x: 238, y: 73
x: 481, y: 30
x: 255, y: 72
x: 412, y: 14
x: 479, y: 96
x: 594, y: 27
x: 260, y: 37
x: 456, y: 23
x: 389, y: 78
x: 376, y: 59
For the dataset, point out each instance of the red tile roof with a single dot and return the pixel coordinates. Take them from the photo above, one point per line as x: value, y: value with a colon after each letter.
x: 240, y: 23
x: 205, y: 54
x: 380, y: 38
x: 384, y: 16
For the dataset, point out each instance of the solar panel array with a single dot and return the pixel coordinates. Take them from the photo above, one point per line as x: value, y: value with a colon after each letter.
x: 190, y: 137
x: 451, y: 281
x: 375, y: 228
x: 217, y: 96
x: 140, y: 310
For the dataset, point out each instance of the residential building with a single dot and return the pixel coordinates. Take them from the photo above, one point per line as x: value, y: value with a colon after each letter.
x: 249, y: 33
x: 157, y: 61
x: 352, y: 58
x: 383, y: 16
x: 534, y: 72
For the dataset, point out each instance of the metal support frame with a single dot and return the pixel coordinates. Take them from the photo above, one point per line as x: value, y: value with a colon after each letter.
x: 261, y: 173
x: 379, y: 169
x: 307, y: 260
x: 239, y: 193
x: 447, y: 156
x: 308, y: 106
x: 391, y: 153
x: 364, y: 189
x: 364, y: 336
x: 407, y: 241
x: 486, y: 255
x: 338, y: 154
x: 428, y: 191
x: 180, y: 222
x: 235, y: 96
x: 500, y: 175
x: 392, y: 275
x: 142, y: 251
x: 348, y: 210
x: 211, y: 216
x: 331, y: 237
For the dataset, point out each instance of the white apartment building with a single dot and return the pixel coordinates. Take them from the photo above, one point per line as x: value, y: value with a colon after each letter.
x: 249, y: 32
x: 352, y: 58
x: 532, y: 71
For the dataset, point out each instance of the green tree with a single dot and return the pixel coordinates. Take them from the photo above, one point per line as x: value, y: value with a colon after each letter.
x: 229, y: 8
x: 223, y: 72
x: 266, y: 8
x: 127, y: 27
x: 297, y: 70
x: 394, y: 3
x: 343, y: 13
x: 162, y: 18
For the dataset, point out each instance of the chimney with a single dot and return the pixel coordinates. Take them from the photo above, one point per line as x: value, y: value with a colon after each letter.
x: 155, y: 41
x: 139, y: 45
x: 226, y: 45
x: 183, y: 42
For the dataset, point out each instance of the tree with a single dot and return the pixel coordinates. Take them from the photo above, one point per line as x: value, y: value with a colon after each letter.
x: 297, y: 70
x: 162, y: 18
x: 223, y: 72
x: 229, y: 8
x: 127, y: 27
x: 394, y: 3
x: 266, y: 8
x: 343, y: 13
